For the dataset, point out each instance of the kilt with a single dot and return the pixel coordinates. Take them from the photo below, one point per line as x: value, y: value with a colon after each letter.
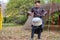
x: 38, y: 29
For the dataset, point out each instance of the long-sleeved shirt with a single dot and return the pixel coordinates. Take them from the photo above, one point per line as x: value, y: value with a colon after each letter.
x: 38, y: 12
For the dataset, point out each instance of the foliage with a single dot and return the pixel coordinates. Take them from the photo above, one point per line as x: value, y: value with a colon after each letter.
x: 16, y: 11
x: 17, y: 8
x: 55, y: 18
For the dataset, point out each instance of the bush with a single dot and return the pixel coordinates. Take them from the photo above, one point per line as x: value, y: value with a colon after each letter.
x: 21, y: 20
x: 55, y: 18
x: 18, y: 20
x: 7, y: 19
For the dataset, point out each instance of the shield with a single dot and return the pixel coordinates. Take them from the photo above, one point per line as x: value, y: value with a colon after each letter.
x: 36, y: 21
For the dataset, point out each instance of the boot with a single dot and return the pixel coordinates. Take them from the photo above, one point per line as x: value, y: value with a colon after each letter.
x: 31, y: 39
x: 39, y: 39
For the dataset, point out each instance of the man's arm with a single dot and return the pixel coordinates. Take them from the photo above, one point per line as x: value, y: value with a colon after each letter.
x: 44, y: 12
x: 31, y: 13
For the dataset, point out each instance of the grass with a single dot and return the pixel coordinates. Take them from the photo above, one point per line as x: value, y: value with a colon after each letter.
x: 10, y: 24
x: 56, y: 27
x: 17, y: 33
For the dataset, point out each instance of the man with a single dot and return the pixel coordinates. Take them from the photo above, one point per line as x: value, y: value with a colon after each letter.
x: 37, y: 11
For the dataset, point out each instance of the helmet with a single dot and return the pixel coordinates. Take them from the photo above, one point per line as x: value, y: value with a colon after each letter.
x: 36, y: 21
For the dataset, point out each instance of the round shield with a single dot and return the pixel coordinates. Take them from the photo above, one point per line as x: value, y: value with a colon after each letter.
x: 36, y: 21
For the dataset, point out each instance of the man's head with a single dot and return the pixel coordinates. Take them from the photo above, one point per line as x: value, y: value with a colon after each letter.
x: 37, y: 4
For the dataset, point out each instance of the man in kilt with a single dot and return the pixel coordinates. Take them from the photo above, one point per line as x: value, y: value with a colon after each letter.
x: 37, y: 11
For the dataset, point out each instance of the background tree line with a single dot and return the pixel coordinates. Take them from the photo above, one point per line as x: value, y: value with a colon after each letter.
x: 16, y: 11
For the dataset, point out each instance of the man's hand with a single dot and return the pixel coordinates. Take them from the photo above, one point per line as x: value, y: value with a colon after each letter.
x: 38, y: 14
x: 44, y: 13
x: 31, y: 13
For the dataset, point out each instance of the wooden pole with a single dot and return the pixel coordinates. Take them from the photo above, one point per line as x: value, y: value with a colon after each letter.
x: 52, y: 17
x: 53, y: 23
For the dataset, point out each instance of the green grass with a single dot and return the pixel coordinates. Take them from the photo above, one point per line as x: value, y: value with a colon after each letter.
x: 9, y: 24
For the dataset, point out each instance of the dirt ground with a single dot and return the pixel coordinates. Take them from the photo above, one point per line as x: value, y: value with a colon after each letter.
x: 17, y: 33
